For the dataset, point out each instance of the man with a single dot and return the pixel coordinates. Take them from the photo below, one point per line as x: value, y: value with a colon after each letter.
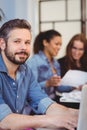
x: 18, y: 86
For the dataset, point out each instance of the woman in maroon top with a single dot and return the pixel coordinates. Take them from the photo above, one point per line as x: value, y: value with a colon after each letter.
x: 76, y: 55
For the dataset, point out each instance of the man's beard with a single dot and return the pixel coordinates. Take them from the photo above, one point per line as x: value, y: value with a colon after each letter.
x: 11, y: 57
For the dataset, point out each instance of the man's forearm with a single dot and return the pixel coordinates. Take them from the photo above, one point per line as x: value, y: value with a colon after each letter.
x: 55, y: 109
x: 20, y: 122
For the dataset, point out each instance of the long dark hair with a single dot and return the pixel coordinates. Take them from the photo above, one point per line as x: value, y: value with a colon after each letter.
x: 71, y: 63
x: 45, y: 35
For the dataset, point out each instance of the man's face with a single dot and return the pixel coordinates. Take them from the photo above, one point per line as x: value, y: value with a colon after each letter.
x: 17, y: 49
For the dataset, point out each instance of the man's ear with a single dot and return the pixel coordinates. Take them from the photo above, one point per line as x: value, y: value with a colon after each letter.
x: 2, y: 44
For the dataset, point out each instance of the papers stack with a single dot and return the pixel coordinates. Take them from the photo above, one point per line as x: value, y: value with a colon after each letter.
x: 74, y: 96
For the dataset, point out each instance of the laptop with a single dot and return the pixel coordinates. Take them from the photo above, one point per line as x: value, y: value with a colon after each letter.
x: 82, y: 119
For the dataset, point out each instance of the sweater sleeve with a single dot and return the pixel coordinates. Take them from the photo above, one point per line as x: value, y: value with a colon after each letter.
x: 64, y: 88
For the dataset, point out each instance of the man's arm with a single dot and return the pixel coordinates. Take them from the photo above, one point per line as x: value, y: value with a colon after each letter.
x: 20, y: 122
x: 56, y: 116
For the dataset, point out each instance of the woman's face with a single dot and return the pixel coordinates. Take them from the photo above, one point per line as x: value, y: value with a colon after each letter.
x: 77, y: 50
x: 52, y: 48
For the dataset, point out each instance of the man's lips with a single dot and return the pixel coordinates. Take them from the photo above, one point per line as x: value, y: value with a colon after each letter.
x: 22, y: 54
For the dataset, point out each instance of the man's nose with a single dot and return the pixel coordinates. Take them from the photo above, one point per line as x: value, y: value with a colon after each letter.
x: 23, y: 45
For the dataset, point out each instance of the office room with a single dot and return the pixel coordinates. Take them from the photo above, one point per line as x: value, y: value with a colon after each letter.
x: 68, y: 19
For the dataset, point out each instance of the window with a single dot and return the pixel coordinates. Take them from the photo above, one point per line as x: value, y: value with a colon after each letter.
x: 66, y: 16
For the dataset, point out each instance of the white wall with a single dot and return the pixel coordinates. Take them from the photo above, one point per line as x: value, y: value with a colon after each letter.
x: 25, y: 9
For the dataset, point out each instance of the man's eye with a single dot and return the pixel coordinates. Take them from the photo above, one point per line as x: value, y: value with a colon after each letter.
x: 17, y: 41
x: 27, y: 42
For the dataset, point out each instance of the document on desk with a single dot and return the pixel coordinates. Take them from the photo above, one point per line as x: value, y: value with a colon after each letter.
x: 74, y: 96
x: 74, y: 78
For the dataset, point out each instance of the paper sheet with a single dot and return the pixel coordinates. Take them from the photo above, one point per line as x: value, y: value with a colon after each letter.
x: 74, y: 78
x: 74, y: 96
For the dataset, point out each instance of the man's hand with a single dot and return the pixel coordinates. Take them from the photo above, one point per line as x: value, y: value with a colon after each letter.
x: 64, y: 117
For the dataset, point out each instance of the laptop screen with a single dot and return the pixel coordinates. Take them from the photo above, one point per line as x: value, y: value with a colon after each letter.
x: 82, y: 121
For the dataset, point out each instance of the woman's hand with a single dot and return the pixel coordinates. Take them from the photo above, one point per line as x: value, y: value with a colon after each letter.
x: 80, y: 87
x: 54, y: 81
